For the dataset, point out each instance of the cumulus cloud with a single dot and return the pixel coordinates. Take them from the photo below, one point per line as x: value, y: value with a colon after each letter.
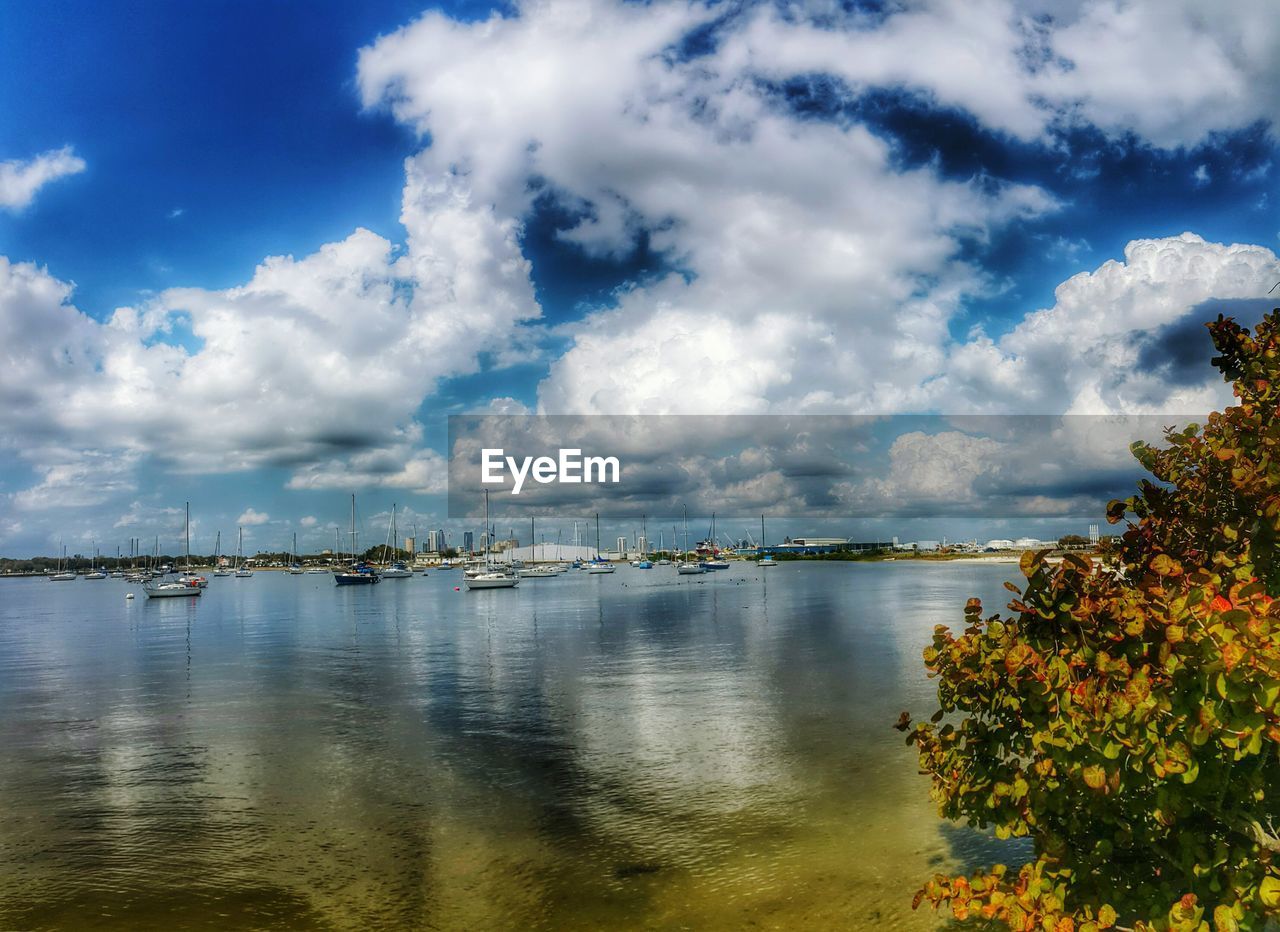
x: 1164, y: 71
x: 251, y: 517
x: 310, y: 360
x: 20, y: 181
x: 814, y: 273
x: 797, y: 240
x: 1097, y: 350
x: 82, y: 478
x: 424, y: 472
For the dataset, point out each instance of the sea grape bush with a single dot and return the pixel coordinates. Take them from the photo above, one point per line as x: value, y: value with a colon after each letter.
x: 1125, y: 714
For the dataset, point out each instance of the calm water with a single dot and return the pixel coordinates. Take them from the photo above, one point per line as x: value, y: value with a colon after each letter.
x: 635, y: 750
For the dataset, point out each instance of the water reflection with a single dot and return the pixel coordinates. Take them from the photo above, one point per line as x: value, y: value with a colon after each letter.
x: 634, y: 750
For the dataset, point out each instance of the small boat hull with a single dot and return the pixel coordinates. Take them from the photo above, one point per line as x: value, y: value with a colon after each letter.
x: 356, y: 579
x: 172, y: 591
x: 491, y: 581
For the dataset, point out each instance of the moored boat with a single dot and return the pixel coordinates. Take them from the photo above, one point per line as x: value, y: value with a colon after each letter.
x: 161, y: 589
x: 489, y: 578
x: 494, y: 580
x: 358, y: 573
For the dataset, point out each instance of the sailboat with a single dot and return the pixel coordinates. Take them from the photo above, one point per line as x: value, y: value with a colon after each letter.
x: 537, y: 570
x: 242, y: 571
x: 186, y: 585
x: 398, y: 569
x: 766, y: 559
x: 685, y: 567
x: 187, y: 575
x: 295, y: 568
x: 218, y: 569
x: 95, y: 572
x: 599, y: 564
x: 358, y: 573
x: 715, y: 563
x: 644, y: 563
x: 491, y: 578
x: 62, y: 575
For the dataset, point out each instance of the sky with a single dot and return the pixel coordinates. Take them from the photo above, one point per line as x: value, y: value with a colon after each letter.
x: 253, y: 256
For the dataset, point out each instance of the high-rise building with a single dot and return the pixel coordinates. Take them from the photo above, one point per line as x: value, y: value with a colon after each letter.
x: 410, y: 544
x: 1093, y: 533
x: 441, y: 541
x: 622, y: 546
x: 468, y: 541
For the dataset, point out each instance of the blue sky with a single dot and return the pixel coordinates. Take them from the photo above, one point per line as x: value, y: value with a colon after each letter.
x: 593, y: 207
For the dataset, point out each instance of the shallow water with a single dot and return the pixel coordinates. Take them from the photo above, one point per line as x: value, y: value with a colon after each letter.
x: 635, y: 750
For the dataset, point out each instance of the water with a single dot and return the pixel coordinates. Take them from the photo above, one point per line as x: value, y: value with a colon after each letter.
x: 637, y: 750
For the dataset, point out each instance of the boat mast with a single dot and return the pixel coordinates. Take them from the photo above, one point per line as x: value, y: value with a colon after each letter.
x: 487, y: 563
x: 686, y: 531
x: 597, y: 535
x: 186, y: 533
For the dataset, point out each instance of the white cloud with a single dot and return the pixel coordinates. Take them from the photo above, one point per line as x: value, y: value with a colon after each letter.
x: 423, y: 472
x: 251, y: 517
x: 311, y: 358
x: 1164, y: 70
x: 816, y: 274
x: 308, y: 521
x: 20, y: 181
x: 1085, y: 355
x: 80, y: 479
x: 820, y: 275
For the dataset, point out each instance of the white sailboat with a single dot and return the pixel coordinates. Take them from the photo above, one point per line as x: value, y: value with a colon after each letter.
x: 537, y: 570
x: 599, y: 565
x: 685, y: 567
x: 398, y: 568
x: 186, y: 585
x: 242, y: 571
x: 295, y: 568
x: 490, y: 578
x: 95, y: 572
x: 62, y: 575
x: 218, y: 569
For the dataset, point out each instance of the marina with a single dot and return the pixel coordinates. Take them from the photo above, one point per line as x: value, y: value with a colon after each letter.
x: 637, y: 750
